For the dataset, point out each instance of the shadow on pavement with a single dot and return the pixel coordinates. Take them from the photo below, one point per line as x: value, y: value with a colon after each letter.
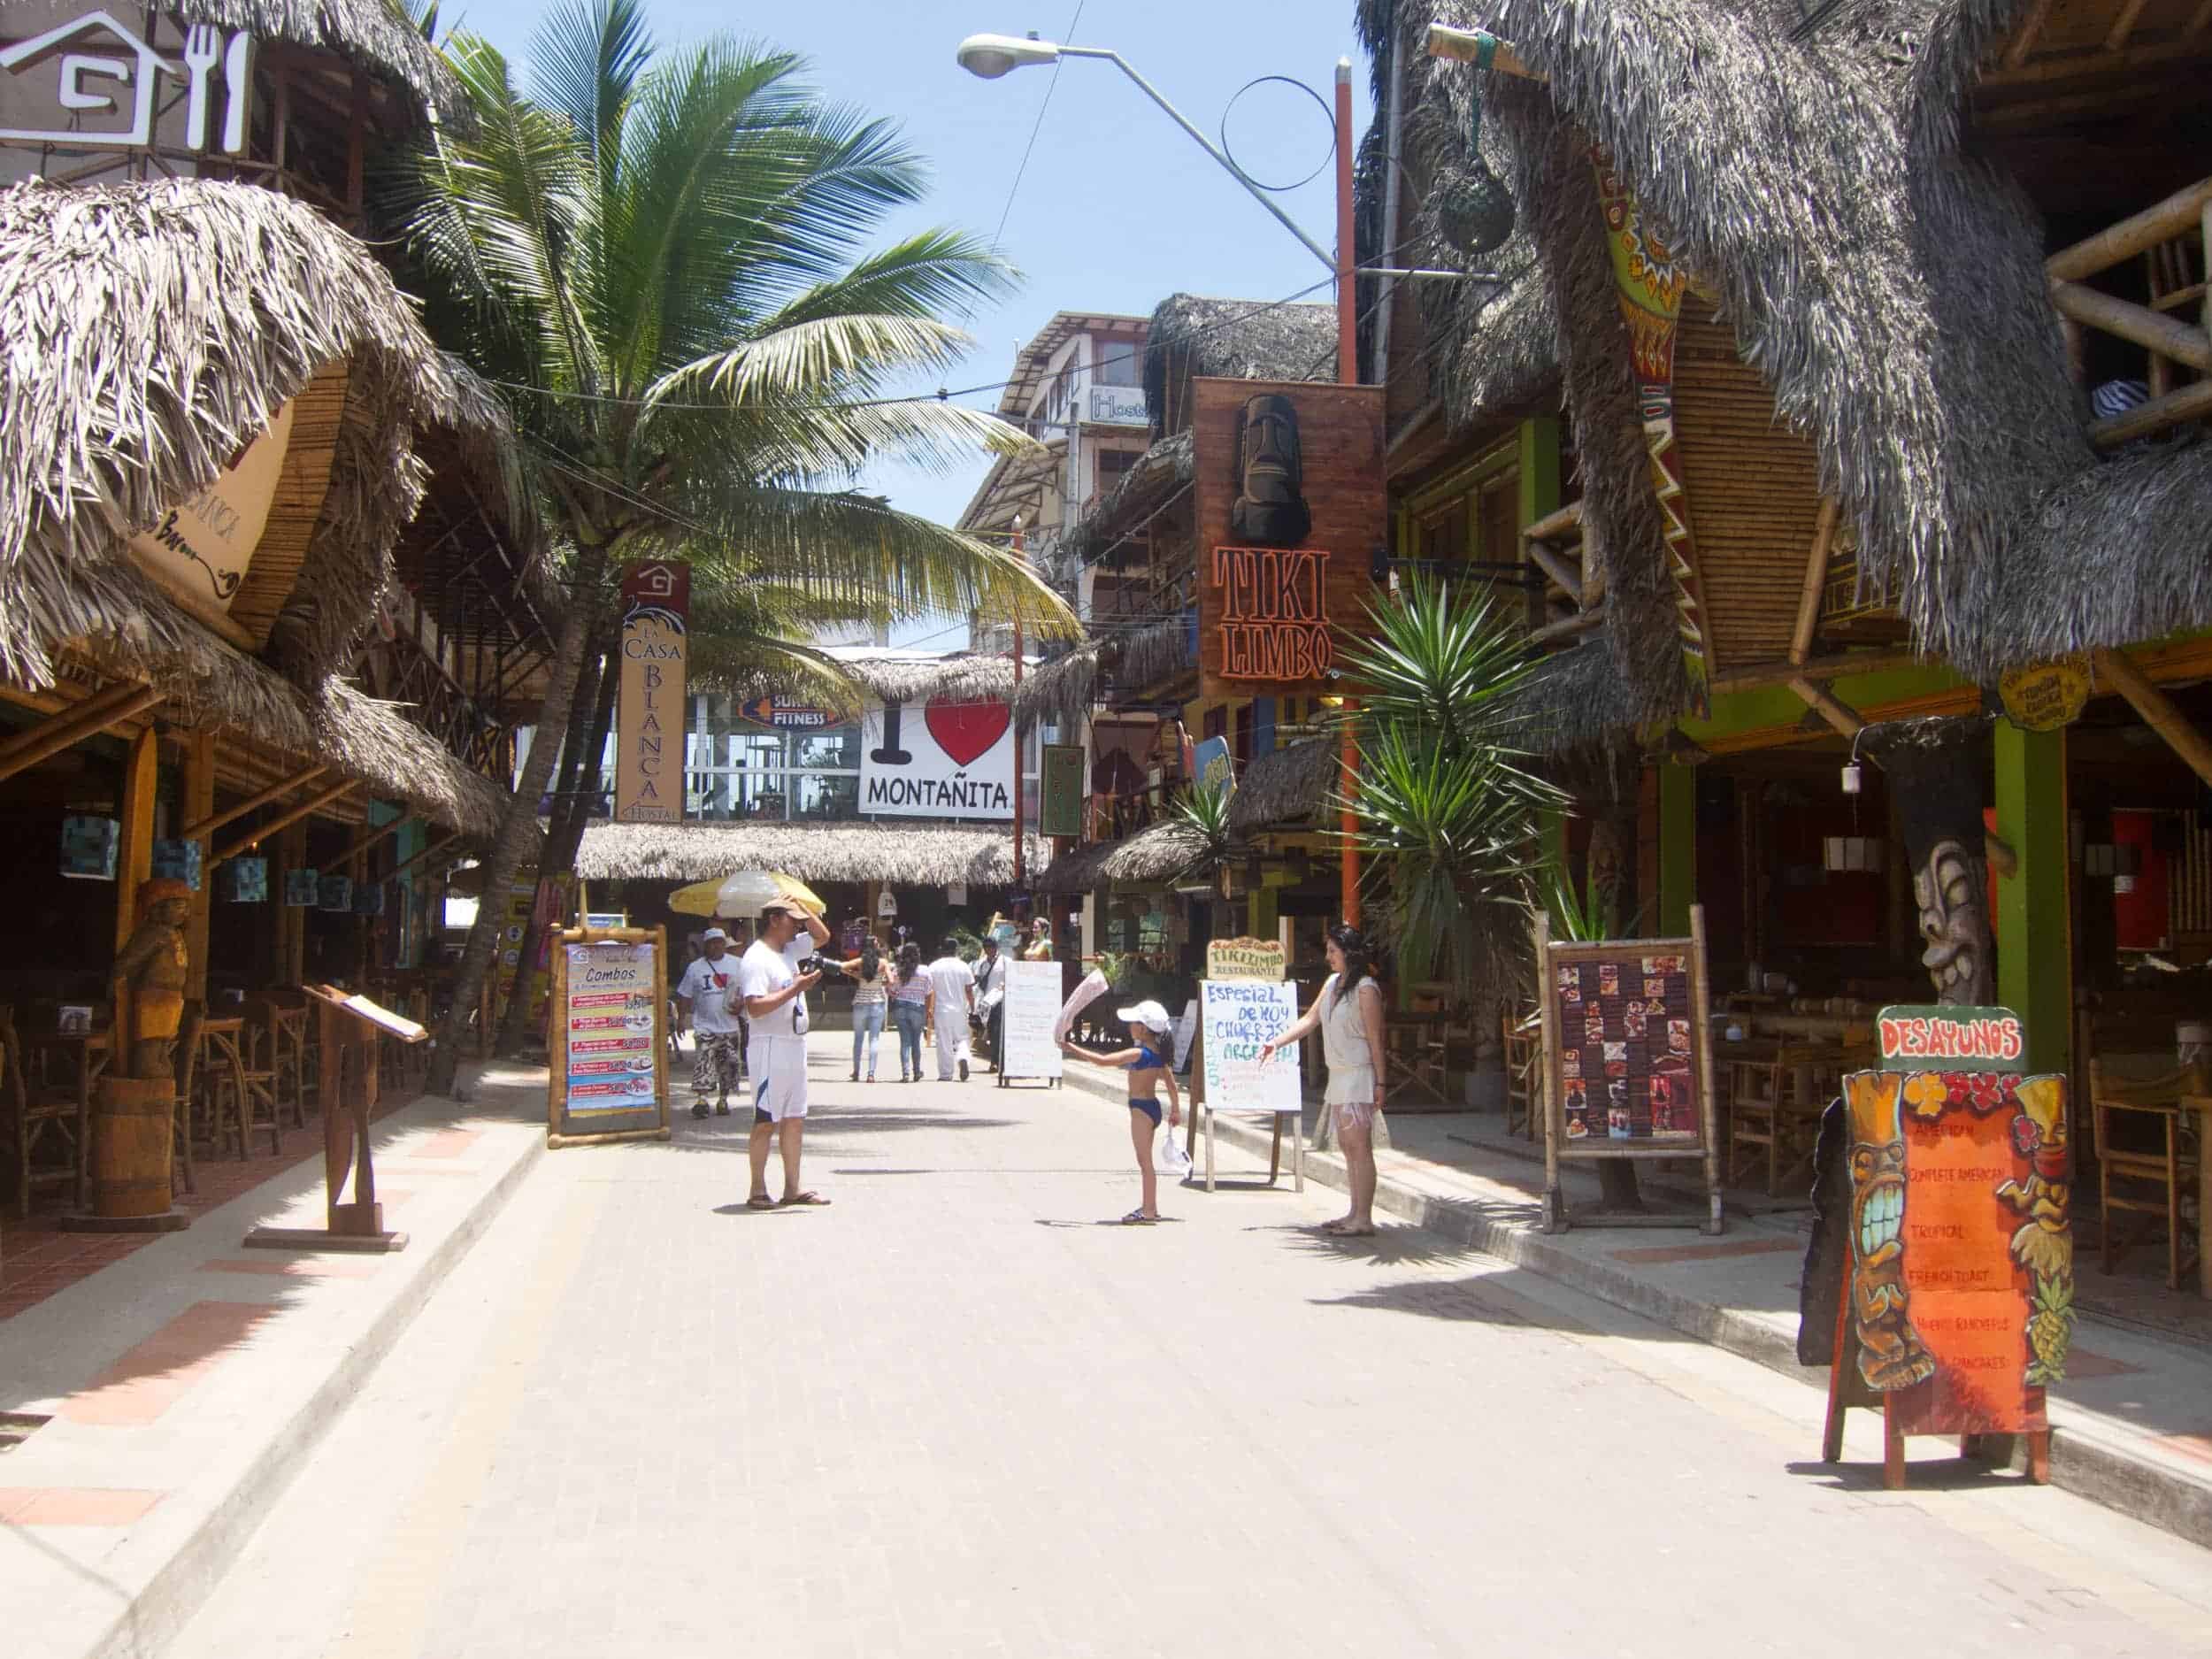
x: 1935, y: 1474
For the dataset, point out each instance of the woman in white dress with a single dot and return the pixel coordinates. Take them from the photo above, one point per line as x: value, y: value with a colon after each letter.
x: 1348, y: 1012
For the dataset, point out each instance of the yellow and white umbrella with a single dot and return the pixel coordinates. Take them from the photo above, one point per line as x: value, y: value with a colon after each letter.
x: 742, y: 894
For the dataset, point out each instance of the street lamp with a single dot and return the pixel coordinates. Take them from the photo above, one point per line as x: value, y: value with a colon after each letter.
x: 989, y: 57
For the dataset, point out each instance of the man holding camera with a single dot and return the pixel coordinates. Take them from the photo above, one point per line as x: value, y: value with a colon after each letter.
x: 774, y: 978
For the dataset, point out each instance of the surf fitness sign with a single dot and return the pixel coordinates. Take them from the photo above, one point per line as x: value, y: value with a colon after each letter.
x: 949, y: 758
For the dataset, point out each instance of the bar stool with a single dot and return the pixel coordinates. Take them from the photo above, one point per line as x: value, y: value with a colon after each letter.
x: 2168, y: 1167
x: 278, y: 1043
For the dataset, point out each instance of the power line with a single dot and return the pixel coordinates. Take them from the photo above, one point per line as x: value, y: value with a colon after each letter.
x: 1051, y: 86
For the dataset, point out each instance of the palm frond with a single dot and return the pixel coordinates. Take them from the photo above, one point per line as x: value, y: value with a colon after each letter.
x: 845, y: 354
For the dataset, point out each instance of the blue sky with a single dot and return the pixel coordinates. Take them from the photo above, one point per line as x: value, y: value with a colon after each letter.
x: 1118, y: 209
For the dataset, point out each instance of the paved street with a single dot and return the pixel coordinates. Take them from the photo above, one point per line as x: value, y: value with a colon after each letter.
x: 958, y: 1413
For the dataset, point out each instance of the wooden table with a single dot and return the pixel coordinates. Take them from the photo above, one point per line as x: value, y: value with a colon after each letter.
x: 88, y: 1052
x: 2202, y: 1104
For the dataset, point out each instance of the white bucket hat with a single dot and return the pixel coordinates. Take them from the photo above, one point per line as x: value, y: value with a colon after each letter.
x: 713, y: 933
x: 1147, y: 1013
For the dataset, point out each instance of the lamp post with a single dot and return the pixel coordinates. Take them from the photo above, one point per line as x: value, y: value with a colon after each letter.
x: 1022, y: 554
x: 989, y: 57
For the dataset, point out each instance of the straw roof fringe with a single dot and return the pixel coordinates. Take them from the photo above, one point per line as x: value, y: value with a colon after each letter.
x: 153, y: 330
x: 1081, y: 870
x: 1241, y: 339
x: 1063, y: 690
x: 1289, y: 786
x: 969, y: 676
x: 1150, y: 483
x: 372, y: 34
x: 1158, y: 853
x: 915, y: 854
x: 1158, y: 651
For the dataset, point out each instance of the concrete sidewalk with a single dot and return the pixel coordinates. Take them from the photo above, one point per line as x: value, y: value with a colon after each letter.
x: 164, y: 1402
x: 2132, y: 1423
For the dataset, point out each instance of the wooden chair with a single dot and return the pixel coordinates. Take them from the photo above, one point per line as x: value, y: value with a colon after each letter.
x: 2124, y: 1174
x: 1774, y: 1105
x: 186, y: 1059
x: 1522, y: 1037
x: 43, y: 1112
x: 242, y: 1098
x: 278, y: 1044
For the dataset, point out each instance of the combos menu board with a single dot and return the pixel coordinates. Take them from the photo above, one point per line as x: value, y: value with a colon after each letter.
x: 1626, y: 1031
x: 611, y: 998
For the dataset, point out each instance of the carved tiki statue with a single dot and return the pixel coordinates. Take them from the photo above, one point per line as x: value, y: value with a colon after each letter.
x: 1270, y: 509
x: 154, y: 966
x: 1891, y: 1356
x: 1937, y: 767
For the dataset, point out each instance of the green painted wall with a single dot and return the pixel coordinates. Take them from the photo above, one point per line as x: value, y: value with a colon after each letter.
x: 2034, y: 915
x: 1778, y: 705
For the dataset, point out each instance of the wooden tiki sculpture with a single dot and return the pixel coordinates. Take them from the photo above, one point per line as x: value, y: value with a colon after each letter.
x: 1937, y: 768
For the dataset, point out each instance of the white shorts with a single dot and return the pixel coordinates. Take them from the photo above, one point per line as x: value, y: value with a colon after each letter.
x: 779, y: 1077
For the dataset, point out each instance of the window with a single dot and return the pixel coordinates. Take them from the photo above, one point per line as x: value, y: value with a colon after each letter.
x: 1441, y: 532
x: 1118, y: 363
x: 1113, y: 467
x: 1499, y: 519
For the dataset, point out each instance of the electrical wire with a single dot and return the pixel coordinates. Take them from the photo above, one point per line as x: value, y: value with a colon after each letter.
x: 1052, y: 86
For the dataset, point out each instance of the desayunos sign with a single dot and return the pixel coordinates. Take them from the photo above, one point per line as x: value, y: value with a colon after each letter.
x: 648, y: 779
x: 949, y: 758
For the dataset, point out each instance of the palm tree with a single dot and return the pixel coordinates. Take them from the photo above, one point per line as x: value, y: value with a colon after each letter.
x: 1447, y: 814
x: 661, y: 258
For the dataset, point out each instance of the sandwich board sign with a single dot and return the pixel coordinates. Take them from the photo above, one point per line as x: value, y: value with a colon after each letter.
x: 608, y: 1079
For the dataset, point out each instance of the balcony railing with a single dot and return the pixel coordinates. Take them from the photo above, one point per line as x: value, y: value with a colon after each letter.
x: 2173, y: 330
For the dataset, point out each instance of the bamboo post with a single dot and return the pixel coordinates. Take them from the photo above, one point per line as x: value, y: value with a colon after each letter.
x: 2160, y: 222
x: 2158, y: 711
x: 1815, y: 580
x: 1702, y: 1035
x: 1547, y: 1081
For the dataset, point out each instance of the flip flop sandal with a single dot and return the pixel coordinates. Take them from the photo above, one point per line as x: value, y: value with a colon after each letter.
x: 699, y: 1110
x: 760, y: 1200
x: 804, y: 1201
x: 722, y: 1109
x: 1138, y: 1218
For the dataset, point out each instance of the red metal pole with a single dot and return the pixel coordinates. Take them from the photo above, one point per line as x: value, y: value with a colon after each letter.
x: 1020, y: 554
x: 1346, y: 374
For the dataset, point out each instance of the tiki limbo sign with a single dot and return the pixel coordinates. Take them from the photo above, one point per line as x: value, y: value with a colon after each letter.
x: 1650, y: 279
x: 648, y: 768
x: 1291, y: 509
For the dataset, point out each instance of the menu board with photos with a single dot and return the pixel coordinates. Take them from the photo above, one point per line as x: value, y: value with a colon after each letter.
x: 609, y: 1076
x: 1626, y: 1067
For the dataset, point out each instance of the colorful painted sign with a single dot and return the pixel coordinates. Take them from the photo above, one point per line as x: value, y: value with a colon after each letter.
x: 1236, y: 1017
x: 648, y: 768
x: 1211, y: 768
x: 1290, y: 506
x: 1650, y: 280
x: 1915, y: 1039
x: 609, y: 1044
x: 1244, y: 959
x: 786, y: 714
x: 1061, y: 799
x: 949, y: 757
x: 1628, y: 1055
x: 1961, y: 1262
x: 1029, y: 1011
x: 2044, y: 696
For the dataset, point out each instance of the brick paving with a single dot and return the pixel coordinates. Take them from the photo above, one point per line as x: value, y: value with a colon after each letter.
x: 960, y: 1412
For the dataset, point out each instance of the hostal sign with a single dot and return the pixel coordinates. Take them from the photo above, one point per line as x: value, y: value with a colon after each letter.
x: 1291, y: 509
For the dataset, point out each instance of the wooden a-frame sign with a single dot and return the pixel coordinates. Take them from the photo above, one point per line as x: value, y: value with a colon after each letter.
x: 350, y: 1026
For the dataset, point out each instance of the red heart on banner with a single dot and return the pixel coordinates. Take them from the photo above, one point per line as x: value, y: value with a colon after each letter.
x: 963, y: 730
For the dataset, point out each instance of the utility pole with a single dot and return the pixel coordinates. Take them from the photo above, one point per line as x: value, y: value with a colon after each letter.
x: 1346, y: 374
x: 1022, y: 556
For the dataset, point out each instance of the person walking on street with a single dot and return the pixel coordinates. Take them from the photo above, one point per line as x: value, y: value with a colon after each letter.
x: 775, y: 991
x: 871, y: 993
x: 909, y: 1010
x: 1349, y: 1011
x: 1150, y: 1066
x: 952, y: 999
x: 705, y: 997
x: 990, y: 995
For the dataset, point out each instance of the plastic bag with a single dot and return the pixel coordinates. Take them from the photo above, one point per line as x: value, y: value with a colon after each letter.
x: 1174, y: 1160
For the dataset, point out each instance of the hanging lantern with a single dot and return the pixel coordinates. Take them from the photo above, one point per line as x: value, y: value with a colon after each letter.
x: 335, y: 893
x: 368, y: 899
x: 301, y: 889
x: 178, y: 861
x: 242, y: 880
x: 88, y: 847
x: 1474, y: 209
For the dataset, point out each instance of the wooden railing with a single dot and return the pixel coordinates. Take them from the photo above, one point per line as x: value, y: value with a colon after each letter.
x: 2174, y: 330
x: 1569, y: 599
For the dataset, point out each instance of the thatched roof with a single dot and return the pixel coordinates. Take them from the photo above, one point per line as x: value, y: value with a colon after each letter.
x: 920, y: 854
x: 1065, y: 689
x: 1888, y: 289
x: 373, y: 34
x: 1287, y: 786
x: 903, y: 676
x: 1153, y: 480
x: 151, y: 332
x: 1240, y: 340
x: 1156, y: 854
x: 1081, y: 870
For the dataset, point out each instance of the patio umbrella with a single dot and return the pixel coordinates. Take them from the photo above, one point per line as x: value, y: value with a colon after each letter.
x: 742, y: 894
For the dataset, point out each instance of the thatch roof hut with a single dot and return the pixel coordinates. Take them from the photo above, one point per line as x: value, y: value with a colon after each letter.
x: 1237, y: 340
x: 1288, y: 788
x: 373, y: 35
x: 1081, y: 870
x: 918, y: 853
x: 153, y: 332
x: 1156, y: 854
x: 1887, y: 289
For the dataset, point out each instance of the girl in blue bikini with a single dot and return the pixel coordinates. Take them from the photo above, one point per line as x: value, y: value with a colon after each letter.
x: 1151, y: 1067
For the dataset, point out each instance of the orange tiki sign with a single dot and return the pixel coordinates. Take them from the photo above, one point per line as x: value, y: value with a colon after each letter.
x: 1291, y: 514
x: 1958, y: 1266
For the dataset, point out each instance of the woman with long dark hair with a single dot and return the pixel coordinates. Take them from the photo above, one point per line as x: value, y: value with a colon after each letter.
x: 872, y: 990
x: 910, y: 1009
x: 1348, y: 1013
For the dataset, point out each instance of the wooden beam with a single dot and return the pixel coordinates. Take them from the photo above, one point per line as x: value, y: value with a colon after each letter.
x: 135, y: 858
x: 1815, y: 580
x: 2023, y: 38
x: 369, y: 840
x: 1759, y: 676
x: 73, y: 725
x: 1555, y: 524
x: 1565, y: 575
x: 2185, y: 403
x: 1567, y: 628
x: 2122, y: 25
x: 444, y: 844
x: 286, y: 821
x: 214, y: 821
x: 1465, y: 45
x: 2166, y: 336
x: 2157, y: 710
x: 1838, y: 714
x: 2160, y: 222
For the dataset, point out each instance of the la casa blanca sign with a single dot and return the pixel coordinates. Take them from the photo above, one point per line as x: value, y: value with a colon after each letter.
x: 99, y: 85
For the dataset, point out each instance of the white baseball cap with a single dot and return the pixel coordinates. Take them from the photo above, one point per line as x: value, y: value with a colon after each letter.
x: 1147, y: 1013
x: 714, y: 933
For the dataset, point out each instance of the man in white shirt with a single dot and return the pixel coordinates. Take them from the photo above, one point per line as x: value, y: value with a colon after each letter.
x: 952, y: 989
x: 706, y: 994
x: 774, y: 993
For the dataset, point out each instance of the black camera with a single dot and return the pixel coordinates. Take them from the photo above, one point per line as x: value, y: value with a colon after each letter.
x: 812, y: 965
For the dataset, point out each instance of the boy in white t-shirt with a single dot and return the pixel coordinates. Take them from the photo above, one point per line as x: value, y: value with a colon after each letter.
x: 774, y: 998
